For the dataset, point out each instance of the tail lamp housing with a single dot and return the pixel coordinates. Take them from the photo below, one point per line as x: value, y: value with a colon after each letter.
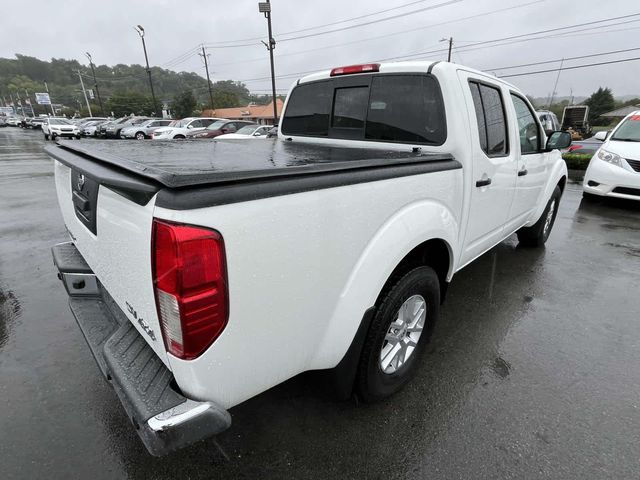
x: 190, y: 283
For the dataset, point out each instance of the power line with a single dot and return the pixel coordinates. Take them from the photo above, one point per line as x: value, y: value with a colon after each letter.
x: 393, y: 34
x: 566, y: 59
x: 573, y: 67
x: 477, y: 45
x: 512, y: 37
x: 349, y: 27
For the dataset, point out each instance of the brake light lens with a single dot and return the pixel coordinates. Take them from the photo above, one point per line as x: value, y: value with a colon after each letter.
x: 348, y: 70
x: 190, y: 280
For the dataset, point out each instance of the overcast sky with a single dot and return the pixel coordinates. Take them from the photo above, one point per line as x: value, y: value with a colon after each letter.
x: 175, y: 29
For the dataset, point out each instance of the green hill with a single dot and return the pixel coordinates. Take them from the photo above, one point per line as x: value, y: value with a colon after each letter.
x: 124, y: 88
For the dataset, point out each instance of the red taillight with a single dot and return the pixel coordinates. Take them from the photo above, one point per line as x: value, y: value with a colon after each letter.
x: 365, y: 67
x: 190, y: 280
x: 574, y: 147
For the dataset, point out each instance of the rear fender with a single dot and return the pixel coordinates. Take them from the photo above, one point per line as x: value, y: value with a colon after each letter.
x: 408, y: 228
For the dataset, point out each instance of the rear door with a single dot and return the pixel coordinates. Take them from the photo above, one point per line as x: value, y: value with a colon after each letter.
x: 494, y: 165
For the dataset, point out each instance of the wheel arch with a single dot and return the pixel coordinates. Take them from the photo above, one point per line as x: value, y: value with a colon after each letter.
x: 422, y: 233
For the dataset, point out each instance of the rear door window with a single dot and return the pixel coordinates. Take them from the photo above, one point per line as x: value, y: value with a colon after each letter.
x: 492, y: 124
x: 406, y: 108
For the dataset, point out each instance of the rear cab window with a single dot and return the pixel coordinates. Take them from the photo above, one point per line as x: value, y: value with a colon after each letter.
x: 397, y: 108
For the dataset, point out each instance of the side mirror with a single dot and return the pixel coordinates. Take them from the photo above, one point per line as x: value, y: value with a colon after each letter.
x: 257, y: 134
x: 558, y: 140
x: 602, y: 136
x: 224, y: 130
x: 189, y: 126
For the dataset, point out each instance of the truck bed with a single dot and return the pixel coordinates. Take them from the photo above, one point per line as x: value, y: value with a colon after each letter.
x: 263, y: 168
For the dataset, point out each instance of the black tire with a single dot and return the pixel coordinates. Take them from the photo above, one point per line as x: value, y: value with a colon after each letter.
x: 78, y: 137
x: 46, y: 136
x: 372, y: 383
x: 536, y: 235
x: 53, y: 136
x: 179, y: 137
x: 140, y: 136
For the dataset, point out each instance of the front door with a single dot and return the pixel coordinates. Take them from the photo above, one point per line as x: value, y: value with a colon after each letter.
x: 532, y: 170
x: 494, y: 165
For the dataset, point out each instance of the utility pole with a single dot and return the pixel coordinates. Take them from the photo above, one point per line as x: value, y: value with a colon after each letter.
x: 140, y: 31
x: 204, y: 55
x: 450, y: 40
x: 53, y: 111
x: 265, y: 7
x: 13, y: 105
x: 33, y: 112
x: 85, y: 93
x: 95, y: 82
x: 553, y: 92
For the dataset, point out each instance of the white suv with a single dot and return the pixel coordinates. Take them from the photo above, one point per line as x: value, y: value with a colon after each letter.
x: 180, y: 129
x: 54, y: 127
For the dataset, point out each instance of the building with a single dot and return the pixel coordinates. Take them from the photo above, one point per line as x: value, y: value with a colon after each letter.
x: 621, y: 112
x: 262, y: 114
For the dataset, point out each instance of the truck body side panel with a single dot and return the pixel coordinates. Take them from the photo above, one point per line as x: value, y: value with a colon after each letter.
x: 302, y: 270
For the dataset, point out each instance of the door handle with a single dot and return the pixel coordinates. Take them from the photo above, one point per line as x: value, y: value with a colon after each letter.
x: 483, y: 182
x: 523, y: 172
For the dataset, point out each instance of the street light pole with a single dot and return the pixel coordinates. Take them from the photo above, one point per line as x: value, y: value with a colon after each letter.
x: 95, y: 82
x: 265, y: 7
x: 140, y: 31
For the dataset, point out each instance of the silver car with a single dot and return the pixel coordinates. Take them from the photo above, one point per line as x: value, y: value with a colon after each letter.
x: 144, y: 129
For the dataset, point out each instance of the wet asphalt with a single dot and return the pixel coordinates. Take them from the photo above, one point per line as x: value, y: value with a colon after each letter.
x: 533, y: 370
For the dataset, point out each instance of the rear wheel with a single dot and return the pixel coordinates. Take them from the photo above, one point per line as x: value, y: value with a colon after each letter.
x: 537, y: 234
x: 46, y: 136
x: 399, y: 333
x: 179, y: 137
x: 140, y: 136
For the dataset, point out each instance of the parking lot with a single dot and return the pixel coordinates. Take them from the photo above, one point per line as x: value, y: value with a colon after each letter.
x: 531, y: 373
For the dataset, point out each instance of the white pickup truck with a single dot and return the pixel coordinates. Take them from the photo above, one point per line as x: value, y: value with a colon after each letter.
x: 206, y: 273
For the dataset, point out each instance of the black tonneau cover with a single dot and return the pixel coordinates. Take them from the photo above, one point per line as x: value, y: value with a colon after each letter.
x: 262, y: 167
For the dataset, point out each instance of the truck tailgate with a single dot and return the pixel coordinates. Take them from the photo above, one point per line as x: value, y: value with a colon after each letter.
x: 113, y: 234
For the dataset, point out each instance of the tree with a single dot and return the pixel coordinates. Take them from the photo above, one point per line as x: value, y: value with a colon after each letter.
x: 183, y: 104
x: 127, y: 103
x: 599, y: 102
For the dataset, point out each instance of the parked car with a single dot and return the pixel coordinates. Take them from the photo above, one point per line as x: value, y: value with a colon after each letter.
x: 36, y: 122
x: 144, y: 129
x: 549, y: 121
x: 221, y: 127
x: 54, y: 127
x: 614, y: 170
x: 181, y: 128
x: 248, y: 132
x: 273, y: 132
x: 114, y: 129
x: 102, y: 129
x: 83, y: 121
x: 89, y: 129
x: 209, y: 275
x: 585, y: 147
x: 14, y: 121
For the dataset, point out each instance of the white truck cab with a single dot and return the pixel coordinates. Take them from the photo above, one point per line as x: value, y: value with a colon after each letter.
x: 330, y: 249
